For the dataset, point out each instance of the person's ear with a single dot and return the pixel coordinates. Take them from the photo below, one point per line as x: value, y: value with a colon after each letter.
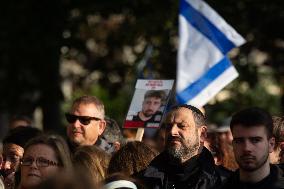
x: 202, y: 131
x: 271, y: 143
x: 102, y: 126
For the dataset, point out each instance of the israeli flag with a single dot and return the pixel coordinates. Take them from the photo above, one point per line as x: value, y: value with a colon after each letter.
x: 204, y: 40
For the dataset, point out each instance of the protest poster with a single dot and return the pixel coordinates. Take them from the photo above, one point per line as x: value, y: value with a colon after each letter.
x: 149, y: 103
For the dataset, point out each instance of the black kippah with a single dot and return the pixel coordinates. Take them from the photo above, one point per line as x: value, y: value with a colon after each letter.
x: 190, y: 107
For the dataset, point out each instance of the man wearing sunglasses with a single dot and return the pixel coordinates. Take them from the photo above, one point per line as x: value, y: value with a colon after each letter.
x: 86, y: 121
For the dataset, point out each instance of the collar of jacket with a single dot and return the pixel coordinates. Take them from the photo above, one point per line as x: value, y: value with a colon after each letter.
x: 162, y: 163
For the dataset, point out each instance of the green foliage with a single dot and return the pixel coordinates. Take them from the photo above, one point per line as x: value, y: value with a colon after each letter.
x: 109, y: 38
x: 245, y: 93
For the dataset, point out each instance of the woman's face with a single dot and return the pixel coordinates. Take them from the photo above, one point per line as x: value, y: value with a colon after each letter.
x: 39, y: 163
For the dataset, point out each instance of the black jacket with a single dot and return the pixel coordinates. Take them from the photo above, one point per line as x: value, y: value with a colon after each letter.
x: 199, y: 172
x: 274, y: 180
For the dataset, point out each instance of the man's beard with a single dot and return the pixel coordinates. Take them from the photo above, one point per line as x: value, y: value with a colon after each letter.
x: 185, y: 151
x: 148, y: 113
x: 256, y: 166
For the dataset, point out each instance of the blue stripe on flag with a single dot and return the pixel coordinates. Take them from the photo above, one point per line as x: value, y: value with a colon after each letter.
x: 196, y: 87
x: 203, y: 25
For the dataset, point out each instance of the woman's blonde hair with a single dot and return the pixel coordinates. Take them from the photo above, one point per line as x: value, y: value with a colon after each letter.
x: 93, y: 161
x: 58, y: 144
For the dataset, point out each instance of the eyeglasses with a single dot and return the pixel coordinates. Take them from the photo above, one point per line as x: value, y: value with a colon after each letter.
x: 85, y: 120
x: 40, y: 162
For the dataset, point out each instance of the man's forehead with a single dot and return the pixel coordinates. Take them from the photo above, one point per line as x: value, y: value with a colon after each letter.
x: 252, y: 131
x: 83, y: 106
x: 152, y: 98
x: 89, y: 109
x: 179, y: 114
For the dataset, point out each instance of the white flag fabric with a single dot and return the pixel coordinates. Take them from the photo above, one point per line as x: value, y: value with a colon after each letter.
x: 204, y: 40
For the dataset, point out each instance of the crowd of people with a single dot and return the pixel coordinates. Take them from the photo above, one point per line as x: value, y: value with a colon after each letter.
x: 185, y: 152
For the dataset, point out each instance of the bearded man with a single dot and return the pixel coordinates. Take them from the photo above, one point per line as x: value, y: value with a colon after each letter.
x: 185, y: 162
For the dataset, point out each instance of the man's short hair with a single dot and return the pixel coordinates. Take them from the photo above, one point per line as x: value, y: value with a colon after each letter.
x: 155, y: 93
x: 199, y: 117
x: 252, y: 117
x: 90, y: 100
x: 112, y: 132
x: 21, y: 135
x: 278, y: 129
x: 20, y: 118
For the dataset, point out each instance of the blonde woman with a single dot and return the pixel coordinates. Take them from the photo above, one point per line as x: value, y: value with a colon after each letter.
x: 44, y: 157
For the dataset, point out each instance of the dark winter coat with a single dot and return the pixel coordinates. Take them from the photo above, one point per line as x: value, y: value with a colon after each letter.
x: 199, y: 172
x: 274, y: 180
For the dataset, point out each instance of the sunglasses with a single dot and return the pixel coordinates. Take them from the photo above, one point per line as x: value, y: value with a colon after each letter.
x: 85, y: 120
